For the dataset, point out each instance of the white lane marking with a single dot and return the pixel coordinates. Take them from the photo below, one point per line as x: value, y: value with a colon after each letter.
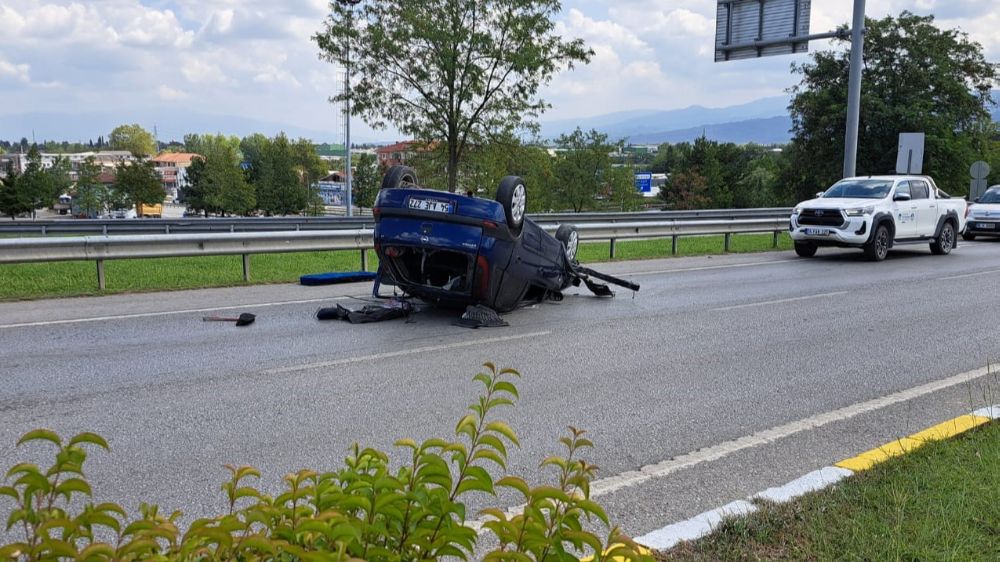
x: 696, y: 527
x: 811, y: 482
x: 165, y: 313
x: 389, y: 354
x: 992, y: 412
x: 780, y: 301
x: 721, y: 450
x: 707, y: 267
x: 967, y: 275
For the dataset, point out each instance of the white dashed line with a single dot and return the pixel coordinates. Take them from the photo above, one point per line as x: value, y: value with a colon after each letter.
x: 165, y: 313
x: 780, y: 301
x: 964, y: 275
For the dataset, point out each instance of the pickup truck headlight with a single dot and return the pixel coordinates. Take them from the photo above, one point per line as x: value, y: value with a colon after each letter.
x: 860, y: 211
x: 796, y: 210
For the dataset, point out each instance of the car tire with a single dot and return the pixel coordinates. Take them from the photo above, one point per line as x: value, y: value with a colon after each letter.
x: 945, y: 241
x: 567, y: 234
x: 968, y: 236
x: 512, y: 194
x: 878, y: 248
x: 399, y: 176
x: 806, y: 249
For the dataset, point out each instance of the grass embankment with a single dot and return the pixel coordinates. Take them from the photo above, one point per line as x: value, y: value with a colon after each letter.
x: 940, y: 502
x: 62, y: 279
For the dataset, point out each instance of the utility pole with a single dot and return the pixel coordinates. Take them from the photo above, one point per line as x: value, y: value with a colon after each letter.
x: 347, y: 109
x: 854, y: 89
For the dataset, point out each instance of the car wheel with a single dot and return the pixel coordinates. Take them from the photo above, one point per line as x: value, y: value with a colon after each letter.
x: 806, y: 249
x: 878, y: 248
x: 968, y: 236
x: 570, y: 238
x: 399, y: 176
x: 514, y: 197
x: 945, y: 240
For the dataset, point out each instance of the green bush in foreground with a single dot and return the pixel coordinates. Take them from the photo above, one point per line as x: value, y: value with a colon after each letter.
x: 367, y: 510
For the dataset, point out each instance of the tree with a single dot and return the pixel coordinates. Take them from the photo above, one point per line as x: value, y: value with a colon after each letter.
x: 90, y: 192
x: 686, y: 190
x: 139, y: 183
x: 917, y: 78
x: 273, y: 171
x: 310, y: 168
x: 39, y: 186
x: 12, y: 200
x: 365, y: 181
x: 459, y: 72
x: 620, y: 187
x: 134, y: 139
x: 202, y: 144
x: 580, y: 167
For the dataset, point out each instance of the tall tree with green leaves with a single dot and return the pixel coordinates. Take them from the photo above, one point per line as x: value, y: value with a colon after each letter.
x: 13, y: 200
x: 139, y: 183
x: 579, y: 169
x: 917, y: 78
x: 90, y: 194
x: 365, y: 181
x: 134, y: 139
x: 275, y: 173
x: 459, y: 72
x: 39, y: 186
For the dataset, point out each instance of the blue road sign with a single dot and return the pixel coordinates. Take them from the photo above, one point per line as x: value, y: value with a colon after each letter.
x: 644, y: 183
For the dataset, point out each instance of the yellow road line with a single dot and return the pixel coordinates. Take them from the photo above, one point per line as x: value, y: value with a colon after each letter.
x: 943, y: 430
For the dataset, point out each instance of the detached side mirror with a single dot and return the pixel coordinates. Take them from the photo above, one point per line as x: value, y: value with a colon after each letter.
x: 901, y: 197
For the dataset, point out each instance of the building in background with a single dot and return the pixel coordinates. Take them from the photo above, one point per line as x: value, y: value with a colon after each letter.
x: 395, y: 154
x: 172, y: 167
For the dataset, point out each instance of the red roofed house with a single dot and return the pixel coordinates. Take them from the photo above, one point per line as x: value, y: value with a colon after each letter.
x: 395, y: 154
x: 172, y: 168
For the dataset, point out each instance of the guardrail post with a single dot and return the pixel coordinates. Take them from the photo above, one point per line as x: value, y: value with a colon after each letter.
x: 232, y: 228
x: 100, y: 275
x: 44, y: 230
x: 729, y: 239
x: 246, y: 267
x: 613, y: 248
x: 673, y: 245
x: 166, y: 228
x: 104, y: 230
x: 364, y: 260
x: 774, y: 243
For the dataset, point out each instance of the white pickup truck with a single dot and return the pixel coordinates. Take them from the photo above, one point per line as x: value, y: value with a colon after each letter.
x: 875, y: 213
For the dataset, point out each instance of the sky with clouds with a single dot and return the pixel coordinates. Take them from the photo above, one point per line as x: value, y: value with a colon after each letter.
x: 255, y: 58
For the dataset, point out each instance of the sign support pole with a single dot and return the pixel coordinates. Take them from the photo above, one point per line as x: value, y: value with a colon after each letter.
x: 854, y: 89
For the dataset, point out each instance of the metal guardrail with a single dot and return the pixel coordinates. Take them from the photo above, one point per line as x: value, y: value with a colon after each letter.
x: 277, y: 224
x: 105, y: 247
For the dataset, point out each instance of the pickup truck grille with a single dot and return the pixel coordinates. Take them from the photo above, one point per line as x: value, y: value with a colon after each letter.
x: 821, y: 217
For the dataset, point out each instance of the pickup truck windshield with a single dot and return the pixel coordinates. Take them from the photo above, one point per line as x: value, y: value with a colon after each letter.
x: 990, y: 197
x: 859, y: 189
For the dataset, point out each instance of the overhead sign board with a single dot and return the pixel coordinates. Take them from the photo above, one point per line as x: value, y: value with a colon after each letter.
x: 910, y: 154
x: 746, y: 29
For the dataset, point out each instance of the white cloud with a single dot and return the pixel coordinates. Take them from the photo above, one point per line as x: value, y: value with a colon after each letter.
x: 167, y: 93
x: 16, y: 72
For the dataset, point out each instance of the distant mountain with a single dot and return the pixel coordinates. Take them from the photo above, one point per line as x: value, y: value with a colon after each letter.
x: 86, y: 126
x: 772, y: 130
x: 641, y: 124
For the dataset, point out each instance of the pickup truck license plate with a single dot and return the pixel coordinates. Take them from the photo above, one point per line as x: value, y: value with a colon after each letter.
x: 986, y: 225
x: 817, y: 232
x: 430, y: 205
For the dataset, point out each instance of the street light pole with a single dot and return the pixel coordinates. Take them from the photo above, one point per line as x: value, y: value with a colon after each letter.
x: 347, y: 109
x: 854, y: 89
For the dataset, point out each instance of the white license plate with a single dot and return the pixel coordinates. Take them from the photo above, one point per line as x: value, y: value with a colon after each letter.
x: 817, y: 232
x: 986, y: 225
x: 430, y: 205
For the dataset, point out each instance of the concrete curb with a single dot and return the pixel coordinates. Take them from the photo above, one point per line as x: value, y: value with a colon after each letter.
x: 703, y: 524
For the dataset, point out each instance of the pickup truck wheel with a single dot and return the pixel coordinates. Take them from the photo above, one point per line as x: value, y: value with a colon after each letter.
x: 945, y: 241
x: 878, y: 248
x: 399, y: 176
x: 968, y: 236
x: 806, y: 249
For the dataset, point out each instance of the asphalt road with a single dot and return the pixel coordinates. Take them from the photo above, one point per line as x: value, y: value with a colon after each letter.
x: 711, y: 350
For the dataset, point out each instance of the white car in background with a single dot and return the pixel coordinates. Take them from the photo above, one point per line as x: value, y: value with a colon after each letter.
x: 875, y: 213
x: 983, y: 218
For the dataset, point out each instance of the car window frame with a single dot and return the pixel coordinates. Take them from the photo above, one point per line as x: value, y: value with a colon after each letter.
x: 903, y: 184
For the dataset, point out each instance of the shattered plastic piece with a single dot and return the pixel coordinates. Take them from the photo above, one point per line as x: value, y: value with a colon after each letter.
x: 480, y: 316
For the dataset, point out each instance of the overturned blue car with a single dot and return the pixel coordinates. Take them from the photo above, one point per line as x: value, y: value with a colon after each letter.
x: 457, y: 250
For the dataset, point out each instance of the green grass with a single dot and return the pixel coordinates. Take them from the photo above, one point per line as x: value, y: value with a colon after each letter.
x: 63, y: 279
x: 941, y: 502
